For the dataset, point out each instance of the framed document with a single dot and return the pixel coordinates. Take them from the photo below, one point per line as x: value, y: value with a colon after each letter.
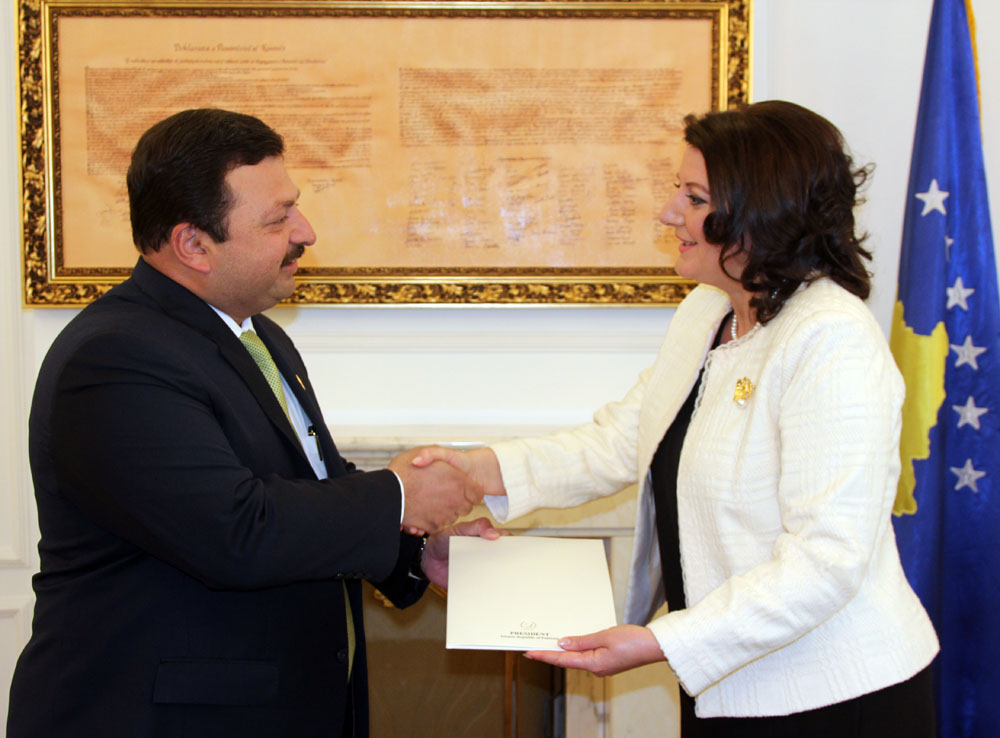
x: 447, y: 152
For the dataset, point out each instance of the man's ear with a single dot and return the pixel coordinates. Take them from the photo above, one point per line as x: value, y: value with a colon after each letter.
x: 188, y: 244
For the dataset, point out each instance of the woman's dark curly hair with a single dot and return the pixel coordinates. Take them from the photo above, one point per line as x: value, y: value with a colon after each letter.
x: 783, y: 192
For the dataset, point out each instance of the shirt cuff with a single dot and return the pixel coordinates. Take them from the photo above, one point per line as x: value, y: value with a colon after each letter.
x: 402, y: 497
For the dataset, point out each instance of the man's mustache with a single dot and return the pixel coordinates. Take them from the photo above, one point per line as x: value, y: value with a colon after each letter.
x: 294, y: 253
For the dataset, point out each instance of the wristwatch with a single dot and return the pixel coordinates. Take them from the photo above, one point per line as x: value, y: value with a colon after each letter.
x: 416, y: 570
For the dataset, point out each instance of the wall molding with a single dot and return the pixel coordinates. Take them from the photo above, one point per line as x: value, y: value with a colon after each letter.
x: 18, y: 610
x: 477, y: 342
x: 16, y: 520
x: 12, y: 556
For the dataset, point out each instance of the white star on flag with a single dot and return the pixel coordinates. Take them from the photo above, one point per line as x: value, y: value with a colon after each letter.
x: 948, y: 241
x: 933, y: 199
x: 967, y: 353
x: 967, y: 476
x: 957, y: 294
x: 968, y: 414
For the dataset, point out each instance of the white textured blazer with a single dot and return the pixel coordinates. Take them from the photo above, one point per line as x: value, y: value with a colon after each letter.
x: 795, y: 594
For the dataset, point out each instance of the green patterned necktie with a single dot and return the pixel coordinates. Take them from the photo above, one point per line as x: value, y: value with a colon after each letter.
x: 251, y: 341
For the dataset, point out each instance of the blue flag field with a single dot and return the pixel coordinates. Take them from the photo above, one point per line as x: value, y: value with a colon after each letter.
x: 946, y: 340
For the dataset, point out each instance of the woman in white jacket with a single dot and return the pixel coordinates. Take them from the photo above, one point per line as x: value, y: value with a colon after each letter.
x: 765, y: 444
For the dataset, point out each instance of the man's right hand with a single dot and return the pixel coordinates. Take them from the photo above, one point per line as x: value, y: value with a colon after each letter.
x: 436, y: 495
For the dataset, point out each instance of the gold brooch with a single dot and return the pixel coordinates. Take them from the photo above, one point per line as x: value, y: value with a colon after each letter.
x: 744, y: 388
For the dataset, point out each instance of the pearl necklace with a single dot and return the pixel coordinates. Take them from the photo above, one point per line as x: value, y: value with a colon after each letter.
x: 732, y: 328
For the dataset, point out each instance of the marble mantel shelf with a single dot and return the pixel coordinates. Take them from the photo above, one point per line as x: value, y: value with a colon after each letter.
x: 372, y: 446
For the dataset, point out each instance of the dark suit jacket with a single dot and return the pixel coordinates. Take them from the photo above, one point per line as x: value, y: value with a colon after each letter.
x: 191, y: 562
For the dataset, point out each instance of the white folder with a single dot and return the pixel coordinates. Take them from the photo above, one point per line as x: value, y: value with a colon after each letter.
x: 523, y: 593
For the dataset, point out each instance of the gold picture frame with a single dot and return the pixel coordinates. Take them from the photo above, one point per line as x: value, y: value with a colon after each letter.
x: 539, y: 107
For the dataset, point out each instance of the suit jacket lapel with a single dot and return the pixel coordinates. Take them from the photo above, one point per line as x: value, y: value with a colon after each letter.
x: 194, y: 312
x: 294, y: 372
x: 237, y: 355
x: 685, y: 347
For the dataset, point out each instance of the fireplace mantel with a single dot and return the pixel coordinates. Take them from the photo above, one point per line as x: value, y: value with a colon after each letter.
x: 626, y: 704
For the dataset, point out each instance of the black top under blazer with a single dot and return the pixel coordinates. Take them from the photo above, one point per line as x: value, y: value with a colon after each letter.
x: 191, y: 562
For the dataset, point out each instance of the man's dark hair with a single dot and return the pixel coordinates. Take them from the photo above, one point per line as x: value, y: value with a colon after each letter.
x: 783, y: 191
x: 179, y: 167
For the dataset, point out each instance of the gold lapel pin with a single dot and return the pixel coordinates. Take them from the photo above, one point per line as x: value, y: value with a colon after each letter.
x: 744, y: 388
x: 301, y: 383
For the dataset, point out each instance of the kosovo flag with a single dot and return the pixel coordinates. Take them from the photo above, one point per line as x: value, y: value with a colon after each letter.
x: 946, y: 340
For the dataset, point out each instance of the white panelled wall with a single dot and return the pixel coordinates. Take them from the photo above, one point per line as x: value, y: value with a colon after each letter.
x: 858, y: 62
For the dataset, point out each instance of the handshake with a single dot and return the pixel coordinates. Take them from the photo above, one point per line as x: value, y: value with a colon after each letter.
x: 441, y: 484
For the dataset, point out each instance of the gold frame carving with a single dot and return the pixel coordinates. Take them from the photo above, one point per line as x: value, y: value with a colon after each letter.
x: 46, y: 284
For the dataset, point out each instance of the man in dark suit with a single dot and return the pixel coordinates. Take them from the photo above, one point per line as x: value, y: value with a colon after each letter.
x: 202, y: 541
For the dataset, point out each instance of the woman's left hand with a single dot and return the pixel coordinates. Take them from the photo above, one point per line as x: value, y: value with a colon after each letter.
x: 605, y: 652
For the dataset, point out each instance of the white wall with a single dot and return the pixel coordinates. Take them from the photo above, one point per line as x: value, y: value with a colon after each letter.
x: 859, y: 62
